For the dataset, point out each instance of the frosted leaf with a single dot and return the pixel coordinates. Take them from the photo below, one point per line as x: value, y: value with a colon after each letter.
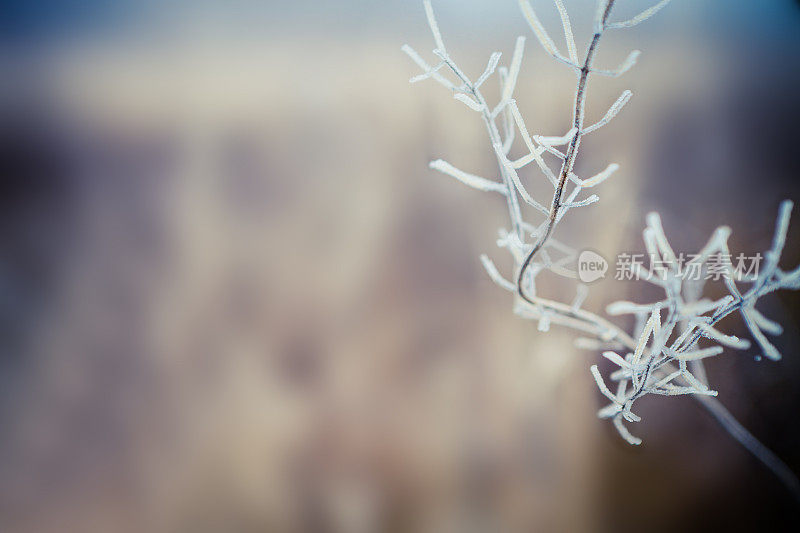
x: 624, y: 67
x: 703, y: 306
x: 437, y: 36
x: 477, y: 182
x: 654, y: 221
x: 641, y: 17
x: 624, y: 308
x: 410, y: 52
x: 769, y: 350
x: 602, y: 385
x: 609, y: 410
x: 624, y: 433
x: 692, y: 355
x: 731, y: 341
x: 674, y: 390
x: 581, y: 292
x: 627, y: 414
x: 544, y: 322
x: 648, y: 235
x: 548, y: 146
x: 499, y: 108
x: 557, y: 140
x: 472, y: 104
x: 611, y: 113
x: 490, y: 68
x: 789, y: 280
x: 667, y: 379
x: 770, y: 326
x: 541, y: 34
x: 535, y: 153
x: 549, y: 149
x: 716, y: 243
x: 427, y: 74
x: 568, y: 36
x: 512, y: 105
x: 512, y: 173
x: 643, y: 338
x: 600, y: 177
x: 778, y: 241
x: 494, y: 274
x: 698, y: 386
x: 582, y: 203
x: 513, y: 71
x: 614, y: 357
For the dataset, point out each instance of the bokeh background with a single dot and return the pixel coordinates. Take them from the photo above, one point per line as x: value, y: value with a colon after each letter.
x: 234, y: 298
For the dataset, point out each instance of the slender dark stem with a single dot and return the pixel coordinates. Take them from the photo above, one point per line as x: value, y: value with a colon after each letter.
x: 569, y: 159
x: 722, y: 415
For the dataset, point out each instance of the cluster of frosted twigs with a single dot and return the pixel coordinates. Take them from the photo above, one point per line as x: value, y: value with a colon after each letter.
x: 664, y: 353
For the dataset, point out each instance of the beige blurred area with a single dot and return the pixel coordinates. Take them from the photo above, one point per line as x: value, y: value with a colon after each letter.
x: 268, y: 314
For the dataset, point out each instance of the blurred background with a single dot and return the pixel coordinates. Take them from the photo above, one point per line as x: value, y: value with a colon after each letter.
x: 233, y: 297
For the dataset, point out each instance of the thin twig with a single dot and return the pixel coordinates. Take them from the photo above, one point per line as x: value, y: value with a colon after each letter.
x: 572, y: 152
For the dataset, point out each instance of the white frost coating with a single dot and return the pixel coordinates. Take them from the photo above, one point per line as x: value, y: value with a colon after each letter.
x: 472, y: 104
x: 490, y: 68
x: 703, y: 306
x: 664, y: 350
x: 541, y: 34
x: 513, y: 71
x: 598, y: 16
x: 512, y: 173
x: 544, y: 322
x: 600, y: 177
x: 624, y: 433
x: 491, y: 269
x: 694, y: 354
x: 614, y: 357
x: 534, y: 153
x: 590, y: 200
x: 549, y: 148
x: 602, y: 385
x: 626, y: 308
x: 716, y: 243
x: 641, y: 17
x: 512, y: 105
x: 770, y: 326
x: 732, y: 341
x: 410, y: 52
x: 624, y: 67
x: 769, y: 350
x: 568, y: 36
x: 426, y: 75
x: 437, y: 36
x: 654, y: 221
x: 557, y: 140
x: 581, y: 292
x: 615, y: 108
x: 476, y: 182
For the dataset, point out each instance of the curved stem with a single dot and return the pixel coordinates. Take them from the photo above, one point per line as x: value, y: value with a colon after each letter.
x: 752, y: 444
x: 572, y: 152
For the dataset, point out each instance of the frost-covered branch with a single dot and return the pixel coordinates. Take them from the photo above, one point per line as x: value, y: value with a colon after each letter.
x: 664, y: 353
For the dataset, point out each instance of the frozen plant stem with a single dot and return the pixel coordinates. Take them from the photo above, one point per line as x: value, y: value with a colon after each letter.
x: 572, y: 150
x: 661, y: 355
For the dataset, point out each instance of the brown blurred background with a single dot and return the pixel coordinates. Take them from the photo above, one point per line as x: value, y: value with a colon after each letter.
x: 234, y: 298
